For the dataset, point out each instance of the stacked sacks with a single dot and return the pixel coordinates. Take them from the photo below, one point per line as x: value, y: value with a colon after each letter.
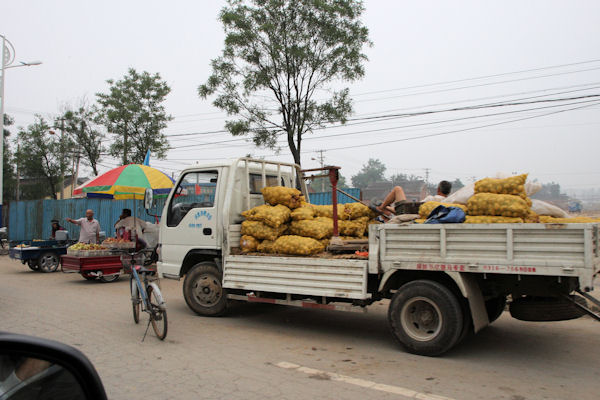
x: 274, y: 216
x: 248, y: 243
x: 262, y: 231
x: 317, y: 228
x: 297, y: 245
x: 501, y: 198
x: 289, y: 197
x: 575, y: 220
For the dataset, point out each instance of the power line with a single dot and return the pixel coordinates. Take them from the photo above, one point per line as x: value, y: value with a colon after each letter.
x: 393, y: 128
x: 479, y: 77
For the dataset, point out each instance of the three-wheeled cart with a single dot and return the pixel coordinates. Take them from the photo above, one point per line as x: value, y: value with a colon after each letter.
x: 40, y: 255
x: 105, y: 268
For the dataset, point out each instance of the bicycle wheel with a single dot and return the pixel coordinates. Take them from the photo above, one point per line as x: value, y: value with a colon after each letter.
x: 158, y: 314
x: 135, y: 300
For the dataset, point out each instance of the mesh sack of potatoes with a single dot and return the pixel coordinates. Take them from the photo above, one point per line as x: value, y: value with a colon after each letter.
x: 545, y: 219
x: 248, y: 243
x: 302, y: 213
x: 297, y: 245
x: 514, y: 185
x: 355, y: 228
x: 317, y: 228
x: 274, y: 216
x: 426, y: 208
x: 501, y: 205
x: 266, y: 246
x: 486, y: 219
x: 356, y: 210
x: 532, y: 218
x: 289, y: 197
x: 327, y: 211
x: 262, y: 231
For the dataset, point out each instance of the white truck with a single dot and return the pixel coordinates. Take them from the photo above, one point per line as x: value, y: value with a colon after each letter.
x: 443, y: 281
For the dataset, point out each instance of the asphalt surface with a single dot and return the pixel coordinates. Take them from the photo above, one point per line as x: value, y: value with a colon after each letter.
x: 264, y: 351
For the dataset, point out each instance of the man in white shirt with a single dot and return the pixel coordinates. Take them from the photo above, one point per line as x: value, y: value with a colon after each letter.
x: 90, y: 228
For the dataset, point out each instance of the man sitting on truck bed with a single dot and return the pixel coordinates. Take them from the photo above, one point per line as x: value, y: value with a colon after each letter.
x: 397, y: 196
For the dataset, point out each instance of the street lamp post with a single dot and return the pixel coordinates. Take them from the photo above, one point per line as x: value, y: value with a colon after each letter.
x: 8, y: 57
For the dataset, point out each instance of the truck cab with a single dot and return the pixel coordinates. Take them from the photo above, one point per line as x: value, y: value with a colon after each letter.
x: 208, y: 199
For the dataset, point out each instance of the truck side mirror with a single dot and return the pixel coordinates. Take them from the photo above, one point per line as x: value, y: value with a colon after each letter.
x: 148, y: 198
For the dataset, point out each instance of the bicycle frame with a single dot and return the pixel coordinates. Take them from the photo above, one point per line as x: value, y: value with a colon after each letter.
x: 140, y: 288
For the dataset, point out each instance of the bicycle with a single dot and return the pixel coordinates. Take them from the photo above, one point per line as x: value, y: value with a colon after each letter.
x: 147, y: 296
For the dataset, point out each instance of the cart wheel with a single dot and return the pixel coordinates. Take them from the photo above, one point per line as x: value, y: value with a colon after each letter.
x: 89, y: 277
x: 109, y: 278
x: 48, y: 262
x: 32, y: 264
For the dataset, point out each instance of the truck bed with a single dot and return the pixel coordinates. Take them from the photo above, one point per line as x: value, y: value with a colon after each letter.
x: 324, y: 275
x: 518, y: 249
x: 524, y: 249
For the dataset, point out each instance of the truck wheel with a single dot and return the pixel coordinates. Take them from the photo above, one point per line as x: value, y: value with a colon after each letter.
x: 495, y: 307
x: 546, y: 308
x: 202, y: 290
x: 33, y: 265
x: 425, y: 317
x: 48, y: 262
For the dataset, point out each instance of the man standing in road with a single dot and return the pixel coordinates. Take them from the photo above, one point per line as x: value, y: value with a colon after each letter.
x: 90, y: 228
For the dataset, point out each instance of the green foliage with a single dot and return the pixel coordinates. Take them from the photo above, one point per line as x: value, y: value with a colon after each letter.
x: 457, y: 184
x: 133, y: 113
x: 8, y: 167
x: 278, y: 55
x: 42, y: 158
x: 80, y: 124
x: 371, y: 172
x: 551, y: 192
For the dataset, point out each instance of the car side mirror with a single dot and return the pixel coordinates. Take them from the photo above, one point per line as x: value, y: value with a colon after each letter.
x: 32, y: 367
x: 148, y: 198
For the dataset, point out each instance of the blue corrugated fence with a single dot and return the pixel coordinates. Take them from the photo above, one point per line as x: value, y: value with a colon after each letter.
x: 31, y: 219
x: 325, y: 197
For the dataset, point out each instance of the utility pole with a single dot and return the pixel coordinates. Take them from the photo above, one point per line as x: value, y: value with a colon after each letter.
x: 18, y: 177
x: 321, y: 160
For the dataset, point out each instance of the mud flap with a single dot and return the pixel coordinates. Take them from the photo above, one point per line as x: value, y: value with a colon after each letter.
x: 476, y: 302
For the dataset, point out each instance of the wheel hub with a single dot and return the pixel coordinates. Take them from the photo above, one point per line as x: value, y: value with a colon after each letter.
x: 207, y: 290
x: 421, y: 319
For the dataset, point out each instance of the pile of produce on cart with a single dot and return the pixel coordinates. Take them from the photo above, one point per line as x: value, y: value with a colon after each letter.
x: 502, y: 200
x: 88, y: 250
x: 115, y: 243
x: 287, y: 224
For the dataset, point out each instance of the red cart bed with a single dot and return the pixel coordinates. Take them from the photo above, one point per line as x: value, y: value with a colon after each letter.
x: 104, y: 268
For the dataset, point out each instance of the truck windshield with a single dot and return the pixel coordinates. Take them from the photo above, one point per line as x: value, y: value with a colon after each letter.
x: 195, y: 190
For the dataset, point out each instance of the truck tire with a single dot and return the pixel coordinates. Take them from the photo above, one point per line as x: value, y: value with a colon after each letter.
x: 495, y: 306
x: 426, y: 317
x: 202, y: 290
x: 48, y: 262
x: 539, y: 309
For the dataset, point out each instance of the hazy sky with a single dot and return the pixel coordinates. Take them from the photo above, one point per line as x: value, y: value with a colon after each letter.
x: 418, y: 46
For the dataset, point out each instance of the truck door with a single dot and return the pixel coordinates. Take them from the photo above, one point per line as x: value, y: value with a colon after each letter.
x: 191, y: 218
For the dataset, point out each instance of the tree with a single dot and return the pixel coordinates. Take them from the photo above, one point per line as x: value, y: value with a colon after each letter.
x: 324, y: 185
x: 372, y: 171
x: 80, y: 124
x: 41, y: 156
x: 133, y: 113
x: 278, y: 55
x: 457, y: 184
x: 8, y: 166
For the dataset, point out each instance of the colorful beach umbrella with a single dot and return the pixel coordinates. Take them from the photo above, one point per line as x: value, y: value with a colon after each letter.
x: 127, y: 182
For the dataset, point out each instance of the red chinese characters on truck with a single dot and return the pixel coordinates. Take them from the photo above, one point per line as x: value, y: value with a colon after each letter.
x: 487, y: 268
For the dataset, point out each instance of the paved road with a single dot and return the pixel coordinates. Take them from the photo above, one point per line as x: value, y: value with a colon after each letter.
x: 272, y: 352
